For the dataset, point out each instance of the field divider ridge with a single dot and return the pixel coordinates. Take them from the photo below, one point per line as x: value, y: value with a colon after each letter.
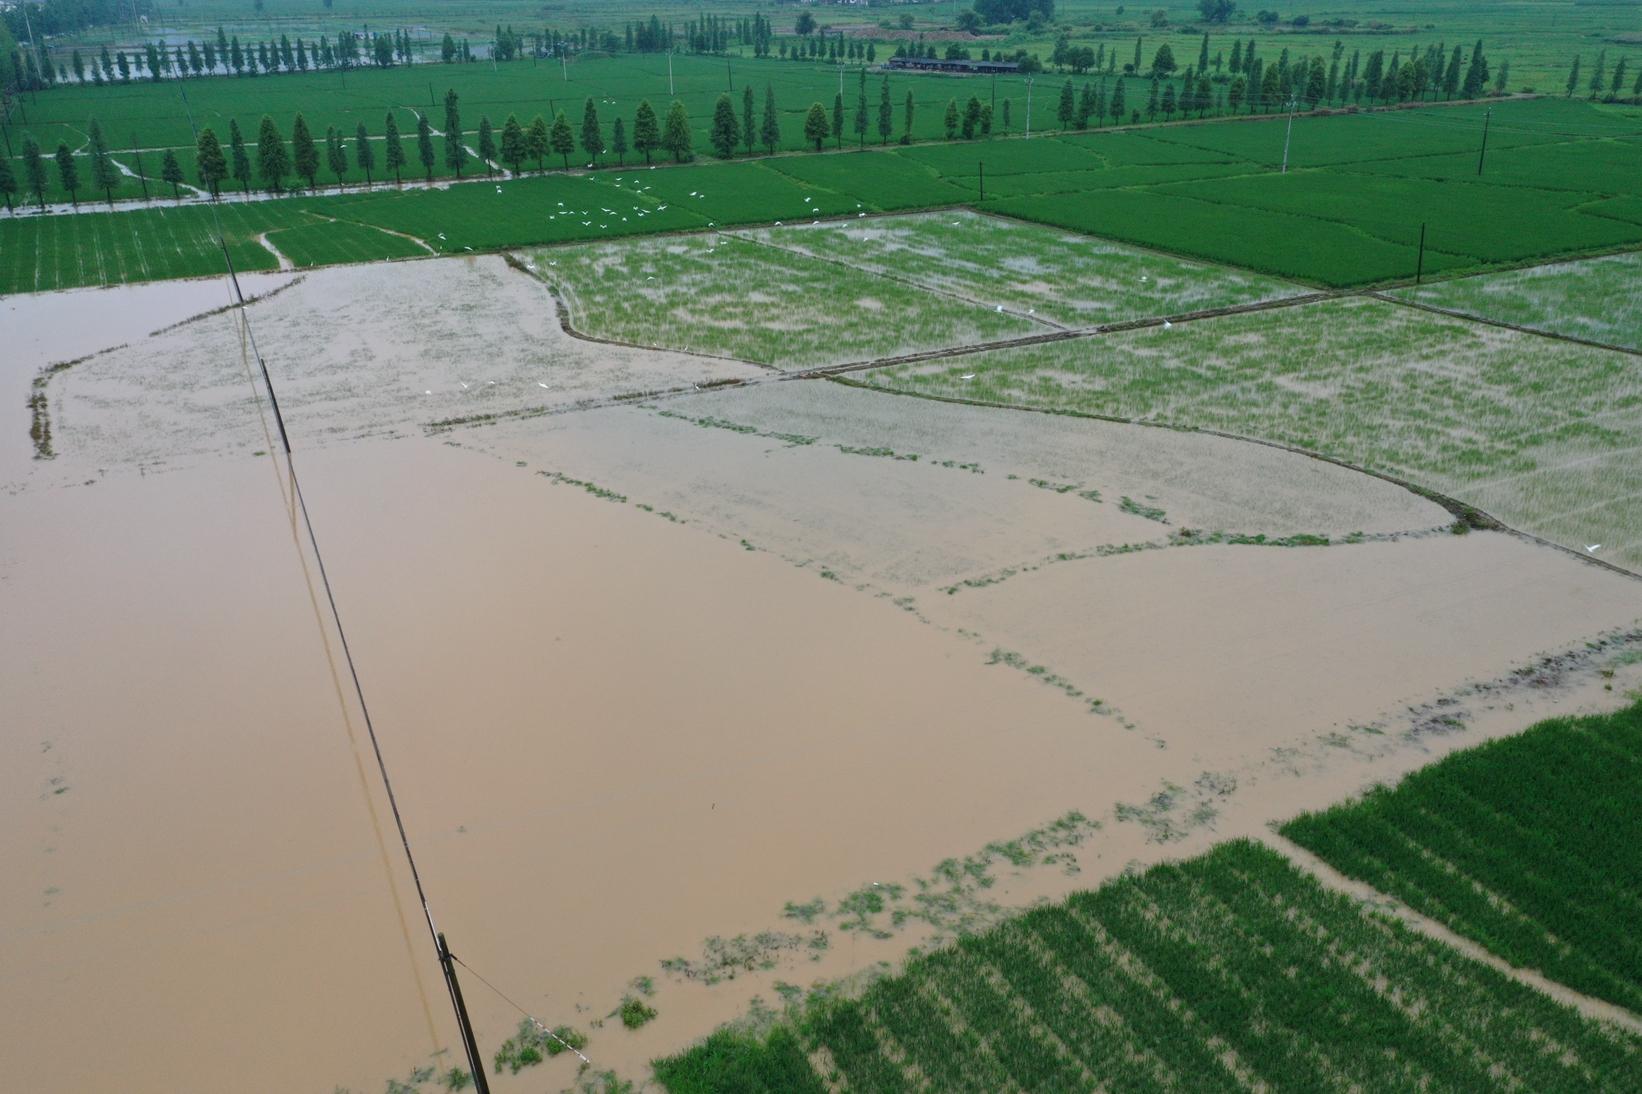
x: 1538, y: 332
x: 1361, y: 891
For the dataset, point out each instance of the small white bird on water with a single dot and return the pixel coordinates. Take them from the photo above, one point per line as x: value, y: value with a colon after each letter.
x: 1167, y: 325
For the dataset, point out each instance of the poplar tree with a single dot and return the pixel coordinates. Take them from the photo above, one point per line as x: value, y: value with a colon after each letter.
x: 170, y: 171
x: 538, y: 141
x: 513, y: 143
x: 1117, y: 102
x: 675, y: 137
x: 1573, y: 75
x: 906, y: 133
x: 646, y: 130
x: 886, y: 113
x: 305, y: 155
x: 364, y: 154
x: 749, y: 130
x: 724, y: 130
x: 336, y: 154
x: 241, y: 161
x: 210, y: 162
x: 770, y: 131
x: 838, y: 118
x: 456, y: 153
x: 618, y: 141
x: 561, y: 139
x: 592, y: 135
x: 972, y: 117
x: 34, y: 168
x: 424, y: 145
x: 8, y: 181
x: 487, y: 144
x: 273, y: 159
x: 861, y: 111
x: 950, y: 119
x: 815, y: 125
x: 393, y: 150
x: 104, y: 175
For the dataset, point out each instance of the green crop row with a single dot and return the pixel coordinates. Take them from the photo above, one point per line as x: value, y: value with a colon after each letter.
x: 1528, y: 846
x: 1227, y: 972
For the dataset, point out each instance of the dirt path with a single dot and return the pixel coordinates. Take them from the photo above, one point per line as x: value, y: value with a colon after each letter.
x: 1332, y: 879
x: 268, y: 245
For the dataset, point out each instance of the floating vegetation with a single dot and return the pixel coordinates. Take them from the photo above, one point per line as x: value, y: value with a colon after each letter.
x: 591, y: 487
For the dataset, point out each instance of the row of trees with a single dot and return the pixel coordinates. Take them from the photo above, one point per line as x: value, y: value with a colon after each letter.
x: 225, y: 55
x: 104, y: 175
x: 1608, y: 88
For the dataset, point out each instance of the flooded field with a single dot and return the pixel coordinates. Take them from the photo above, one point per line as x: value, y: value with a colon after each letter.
x: 732, y: 690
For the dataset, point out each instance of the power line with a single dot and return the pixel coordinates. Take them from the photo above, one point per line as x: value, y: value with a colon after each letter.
x: 440, y: 950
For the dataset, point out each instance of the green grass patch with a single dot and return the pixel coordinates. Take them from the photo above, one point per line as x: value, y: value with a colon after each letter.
x: 1530, y: 846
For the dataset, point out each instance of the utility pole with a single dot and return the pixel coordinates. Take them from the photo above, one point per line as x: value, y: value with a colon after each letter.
x: 1485, y: 119
x: 564, y: 67
x: 981, y: 165
x: 1293, y: 103
x: 729, y: 76
x: 1029, y: 107
x: 1419, y: 265
x: 670, y: 90
x: 446, y: 962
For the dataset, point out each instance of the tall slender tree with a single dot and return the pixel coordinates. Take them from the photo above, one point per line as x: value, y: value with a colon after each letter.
x: 646, y: 130
x: 724, y: 131
x: 513, y: 149
x: 273, y: 158
x: 815, y: 125
x: 838, y: 118
x: 562, y: 140
x: 537, y: 142
x: 749, y: 128
x: 886, y: 113
x: 1573, y: 75
x: 951, y: 119
x: 675, y: 135
x: 487, y: 144
x: 770, y: 131
x: 171, y: 171
x: 34, y: 168
x: 210, y: 162
x: 336, y: 154
x: 906, y: 131
x: 456, y: 151
x: 364, y: 154
x: 424, y: 145
x: 393, y: 149
x: 8, y: 181
x: 861, y: 110
x: 240, y: 160
x: 304, y: 153
x: 104, y: 175
x: 618, y: 141
x: 592, y: 133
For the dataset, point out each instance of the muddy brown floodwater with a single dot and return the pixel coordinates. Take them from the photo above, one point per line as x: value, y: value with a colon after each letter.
x: 643, y: 676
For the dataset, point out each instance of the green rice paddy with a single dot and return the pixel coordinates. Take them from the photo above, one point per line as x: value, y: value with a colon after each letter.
x: 1596, y: 299
x: 1527, y: 845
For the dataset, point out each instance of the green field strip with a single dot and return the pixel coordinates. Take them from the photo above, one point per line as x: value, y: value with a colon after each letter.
x: 1528, y: 846
x: 1225, y: 971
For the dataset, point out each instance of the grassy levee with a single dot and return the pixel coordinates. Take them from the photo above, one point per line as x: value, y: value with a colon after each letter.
x: 1230, y: 971
x: 1210, y: 190
x: 1539, y: 433
x: 1530, y: 846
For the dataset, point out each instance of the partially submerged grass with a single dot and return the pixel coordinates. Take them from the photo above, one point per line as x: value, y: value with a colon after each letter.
x: 1042, y: 273
x: 1538, y: 433
x: 722, y: 295
x: 1595, y: 299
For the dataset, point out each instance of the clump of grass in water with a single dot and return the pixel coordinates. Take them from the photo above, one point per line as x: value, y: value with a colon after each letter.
x: 1042, y: 673
x: 726, y: 958
x: 877, y: 450
x: 635, y: 1012
x: 603, y: 493
x: 805, y: 912
x: 530, y: 1045
x: 1130, y: 505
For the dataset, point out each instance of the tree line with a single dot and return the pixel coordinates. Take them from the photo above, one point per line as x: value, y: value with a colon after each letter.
x: 1609, y: 88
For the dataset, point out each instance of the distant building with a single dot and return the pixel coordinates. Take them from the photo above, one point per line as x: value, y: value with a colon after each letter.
x: 935, y: 64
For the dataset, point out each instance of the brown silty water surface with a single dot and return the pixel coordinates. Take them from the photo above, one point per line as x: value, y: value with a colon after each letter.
x: 642, y: 678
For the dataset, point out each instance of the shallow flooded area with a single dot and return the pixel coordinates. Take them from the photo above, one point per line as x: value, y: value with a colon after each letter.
x: 731, y: 690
